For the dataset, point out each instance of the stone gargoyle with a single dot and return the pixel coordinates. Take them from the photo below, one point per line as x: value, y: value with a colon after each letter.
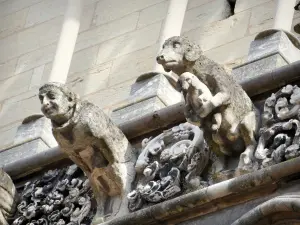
x: 93, y: 142
x: 228, y: 117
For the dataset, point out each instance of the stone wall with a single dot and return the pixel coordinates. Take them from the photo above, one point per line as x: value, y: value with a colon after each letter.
x: 117, y: 42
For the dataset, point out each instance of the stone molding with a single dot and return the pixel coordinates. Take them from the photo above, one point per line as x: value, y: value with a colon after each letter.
x: 213, y: 198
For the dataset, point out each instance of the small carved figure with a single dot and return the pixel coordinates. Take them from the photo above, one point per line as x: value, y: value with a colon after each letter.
x: 238, y: 115
x: 195, y: 95
x: 93, y: 142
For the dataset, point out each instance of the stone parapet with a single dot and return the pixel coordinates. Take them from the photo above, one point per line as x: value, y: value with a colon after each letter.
x: 270, y: 50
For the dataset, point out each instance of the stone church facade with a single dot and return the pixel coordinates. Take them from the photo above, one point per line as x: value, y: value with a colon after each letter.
x: 112, y: 64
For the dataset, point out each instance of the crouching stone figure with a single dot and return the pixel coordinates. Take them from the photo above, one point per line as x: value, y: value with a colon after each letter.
x: 95, y: 144
x: 214, y: 101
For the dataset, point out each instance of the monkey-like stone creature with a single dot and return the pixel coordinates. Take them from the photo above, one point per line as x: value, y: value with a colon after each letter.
x: 236, y: 134
x: 93, y: 142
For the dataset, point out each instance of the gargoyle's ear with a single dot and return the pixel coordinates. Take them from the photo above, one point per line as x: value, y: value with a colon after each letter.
x: 192, y: 52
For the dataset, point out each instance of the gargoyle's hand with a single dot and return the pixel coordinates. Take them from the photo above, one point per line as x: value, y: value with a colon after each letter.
x: 206, y: 109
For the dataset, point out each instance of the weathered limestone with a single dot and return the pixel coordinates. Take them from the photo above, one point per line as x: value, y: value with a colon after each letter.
x: 150, y: 92
x: 238, y: 116
x: 8, y: 198
x: 33, y: 136
x: 270, y: 49
x: 94, y: 143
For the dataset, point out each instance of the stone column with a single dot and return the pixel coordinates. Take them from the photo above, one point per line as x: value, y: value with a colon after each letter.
x: 66, y: 43
x: 172, y: 25
x: 154, y: 90
x: 284, y: 14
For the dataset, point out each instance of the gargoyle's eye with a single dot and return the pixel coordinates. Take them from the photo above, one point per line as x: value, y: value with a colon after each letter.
x: 176, y: 44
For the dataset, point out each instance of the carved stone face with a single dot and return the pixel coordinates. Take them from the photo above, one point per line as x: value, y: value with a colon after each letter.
x: 55, y: 105
x: 178, y: 53
x: 171, y: 55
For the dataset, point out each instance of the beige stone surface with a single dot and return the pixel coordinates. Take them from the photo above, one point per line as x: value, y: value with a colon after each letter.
x: 45, y: 10
x: 84, y: 59
x: 262, y: 17
x: 153, y: 14
x: 87, y: 17
x: 30, y: 39
x: 7, y: 68
x: 196, y: 3
x: 13, y: 23
x: 128, y: 43
x: 49, y: 9
x: 242, y: 5
x: 16, y: 111
x: 15, y: 85
x: 109, y: 10
x: 26, y: 95
x: 36, y: 77
x: 219, y: 33
x: 10, y: 6
x: 89, y: 81
x: 36, y: 58
x: 7, y: 135
x: 132, y: 65
x: 111, y: 96
x: 228, y: 53
x: 107, y: 31
x: 205, y: 14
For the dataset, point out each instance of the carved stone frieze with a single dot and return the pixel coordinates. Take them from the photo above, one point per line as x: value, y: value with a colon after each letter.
x: 59, y: 197
x: 169, y: 164
x: 280, y: 132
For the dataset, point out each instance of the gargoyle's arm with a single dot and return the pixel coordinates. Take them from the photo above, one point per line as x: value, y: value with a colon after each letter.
x: 221, y: 98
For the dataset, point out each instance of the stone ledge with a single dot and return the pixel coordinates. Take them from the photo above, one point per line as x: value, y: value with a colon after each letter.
x: 215, y: 197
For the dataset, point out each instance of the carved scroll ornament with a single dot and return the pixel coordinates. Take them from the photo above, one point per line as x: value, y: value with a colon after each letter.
x: 60, y: 197
x: 169, y: 164
x: 280, y: 132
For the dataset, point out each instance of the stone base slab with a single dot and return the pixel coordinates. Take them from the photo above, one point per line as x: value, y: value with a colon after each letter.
x: 270, y: 50
x: 151, y: 93
x: 33, y: 136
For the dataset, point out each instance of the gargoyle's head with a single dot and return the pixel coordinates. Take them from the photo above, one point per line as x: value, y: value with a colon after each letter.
x: 184, y: 82
x: 57, y: 101
x: 177, y: 54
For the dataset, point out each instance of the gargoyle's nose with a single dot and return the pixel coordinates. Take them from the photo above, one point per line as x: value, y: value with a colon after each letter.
x: 160, y: 58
